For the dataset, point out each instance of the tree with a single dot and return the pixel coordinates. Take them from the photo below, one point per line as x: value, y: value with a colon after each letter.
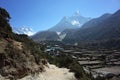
x: 5, y: 29
x: 4, y: 14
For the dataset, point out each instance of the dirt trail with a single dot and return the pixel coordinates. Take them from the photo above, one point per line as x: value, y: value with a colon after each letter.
x: 53, y: 73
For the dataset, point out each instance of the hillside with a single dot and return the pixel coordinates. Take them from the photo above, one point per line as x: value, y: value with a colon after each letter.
x: 19, y: 56
x: 45, y: 35
x: 65, y: 33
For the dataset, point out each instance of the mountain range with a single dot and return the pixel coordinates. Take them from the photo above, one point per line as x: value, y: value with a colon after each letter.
x: 105, y: 27
x: 66, y: 23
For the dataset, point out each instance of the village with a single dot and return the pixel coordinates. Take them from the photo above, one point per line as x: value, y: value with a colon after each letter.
x: 102, y: 62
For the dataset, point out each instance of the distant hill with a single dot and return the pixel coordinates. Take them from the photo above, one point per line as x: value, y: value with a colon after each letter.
x: 103, y: 28
x: 73, y: 22
x: 96, y: 21
x: 45, y: 35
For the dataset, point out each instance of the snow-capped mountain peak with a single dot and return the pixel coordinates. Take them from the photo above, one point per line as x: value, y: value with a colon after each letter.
x: 70, y: 22
x: 24, y: 30
x: 77, y: 13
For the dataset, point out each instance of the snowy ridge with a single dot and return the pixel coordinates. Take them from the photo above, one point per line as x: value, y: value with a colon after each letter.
x: 23, y: 30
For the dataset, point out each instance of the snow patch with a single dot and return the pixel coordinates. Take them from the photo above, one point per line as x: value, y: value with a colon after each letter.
x: 62, y: 36
x: 58, y: 33
x: 75, y: 22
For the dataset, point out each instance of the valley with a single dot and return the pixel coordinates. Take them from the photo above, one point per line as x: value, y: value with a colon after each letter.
x: 104, y: 63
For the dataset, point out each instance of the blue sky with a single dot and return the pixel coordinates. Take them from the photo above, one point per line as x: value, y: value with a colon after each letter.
x: 43, y: 14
